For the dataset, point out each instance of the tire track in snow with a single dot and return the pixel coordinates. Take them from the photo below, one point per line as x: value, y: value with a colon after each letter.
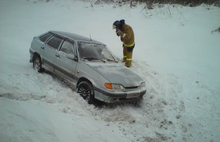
x: 32, y: 85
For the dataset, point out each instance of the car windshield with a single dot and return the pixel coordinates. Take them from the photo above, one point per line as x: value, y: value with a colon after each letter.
x: 91, y: 51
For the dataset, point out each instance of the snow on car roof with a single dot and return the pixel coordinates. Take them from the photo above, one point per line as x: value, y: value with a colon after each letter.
x: 75, y: 37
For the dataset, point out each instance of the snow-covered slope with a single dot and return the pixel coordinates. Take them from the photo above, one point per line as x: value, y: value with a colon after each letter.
x: 175, y: 53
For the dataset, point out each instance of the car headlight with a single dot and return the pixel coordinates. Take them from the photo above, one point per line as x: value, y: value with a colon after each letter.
x: 118, y: 87
x: 115, y: 87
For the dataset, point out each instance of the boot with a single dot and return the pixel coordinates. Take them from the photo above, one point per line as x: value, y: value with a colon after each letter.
x: 129, y: 59
x: 124, y: 54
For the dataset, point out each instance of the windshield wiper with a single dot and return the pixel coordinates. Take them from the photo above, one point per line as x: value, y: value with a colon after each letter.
x: 110, y: 60
x: 92, y: 58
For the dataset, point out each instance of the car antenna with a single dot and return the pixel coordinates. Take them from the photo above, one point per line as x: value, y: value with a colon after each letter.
x: 90, y: 37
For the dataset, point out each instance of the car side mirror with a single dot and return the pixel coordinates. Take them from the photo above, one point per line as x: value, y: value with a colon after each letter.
x: 71, y: 57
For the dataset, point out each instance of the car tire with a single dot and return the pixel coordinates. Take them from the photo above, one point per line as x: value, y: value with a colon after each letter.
x: 85, y: 90
x: 37, y: 64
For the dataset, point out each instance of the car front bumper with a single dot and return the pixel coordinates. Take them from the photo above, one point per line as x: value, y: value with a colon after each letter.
x: 114, y: 97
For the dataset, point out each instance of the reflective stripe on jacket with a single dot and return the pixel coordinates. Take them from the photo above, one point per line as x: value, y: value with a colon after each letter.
x: 129, y: 45
x: 127, y: 36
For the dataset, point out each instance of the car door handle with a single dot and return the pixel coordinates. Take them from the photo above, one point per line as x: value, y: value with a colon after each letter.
x: 57, y: 55
x: 43, y: 48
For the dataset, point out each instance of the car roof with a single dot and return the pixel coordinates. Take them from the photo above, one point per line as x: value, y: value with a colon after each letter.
x: 75, y: 37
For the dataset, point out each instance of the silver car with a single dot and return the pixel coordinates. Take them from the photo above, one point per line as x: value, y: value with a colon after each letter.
x: 87, y: 66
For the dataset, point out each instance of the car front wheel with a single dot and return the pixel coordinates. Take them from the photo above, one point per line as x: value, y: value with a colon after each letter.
x: 85, y: 89
x: 37, y: 64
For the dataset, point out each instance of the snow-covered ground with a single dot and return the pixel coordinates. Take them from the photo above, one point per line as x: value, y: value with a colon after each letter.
x: 175, y: 53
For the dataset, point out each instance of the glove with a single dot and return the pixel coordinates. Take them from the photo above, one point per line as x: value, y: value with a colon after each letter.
x: 118, y: 32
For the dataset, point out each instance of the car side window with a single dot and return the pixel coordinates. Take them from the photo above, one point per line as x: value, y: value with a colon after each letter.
x: 44, y: 37
x: 54, y: 42
x: 67, y: 47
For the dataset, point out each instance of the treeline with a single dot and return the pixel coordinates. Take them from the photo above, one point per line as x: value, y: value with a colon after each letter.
x: 191, y: 3
x: 183, y: 2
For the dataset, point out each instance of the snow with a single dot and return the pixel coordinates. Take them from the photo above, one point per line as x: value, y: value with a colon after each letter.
x: 176, y: 54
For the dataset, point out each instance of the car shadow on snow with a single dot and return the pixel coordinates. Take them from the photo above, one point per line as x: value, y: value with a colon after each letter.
x: 100, y: 104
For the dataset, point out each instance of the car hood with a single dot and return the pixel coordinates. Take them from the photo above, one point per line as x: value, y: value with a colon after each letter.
x: 117, y: 74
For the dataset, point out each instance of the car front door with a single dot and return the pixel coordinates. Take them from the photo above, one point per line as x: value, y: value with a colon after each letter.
x: 65, y: 66
x: 49, y: 51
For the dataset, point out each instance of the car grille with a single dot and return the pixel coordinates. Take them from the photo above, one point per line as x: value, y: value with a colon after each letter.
x: 131, y: 88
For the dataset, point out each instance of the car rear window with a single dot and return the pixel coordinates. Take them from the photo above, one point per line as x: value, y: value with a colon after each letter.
x: 54, y: 42
x: 44, y: 37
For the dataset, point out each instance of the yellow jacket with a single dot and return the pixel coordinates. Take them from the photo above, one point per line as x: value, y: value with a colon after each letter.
x: 127, y: 36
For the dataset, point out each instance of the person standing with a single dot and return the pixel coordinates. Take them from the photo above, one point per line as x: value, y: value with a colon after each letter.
x: 127, y: 37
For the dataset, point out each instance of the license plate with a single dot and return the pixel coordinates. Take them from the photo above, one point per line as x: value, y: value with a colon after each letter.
x: 133, y: 95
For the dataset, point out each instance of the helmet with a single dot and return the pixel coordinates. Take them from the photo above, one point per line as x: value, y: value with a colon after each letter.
x: 116, y: 24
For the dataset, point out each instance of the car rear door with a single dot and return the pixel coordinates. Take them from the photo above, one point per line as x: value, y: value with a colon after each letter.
x: 64, y: 66
x: 49, y: 50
